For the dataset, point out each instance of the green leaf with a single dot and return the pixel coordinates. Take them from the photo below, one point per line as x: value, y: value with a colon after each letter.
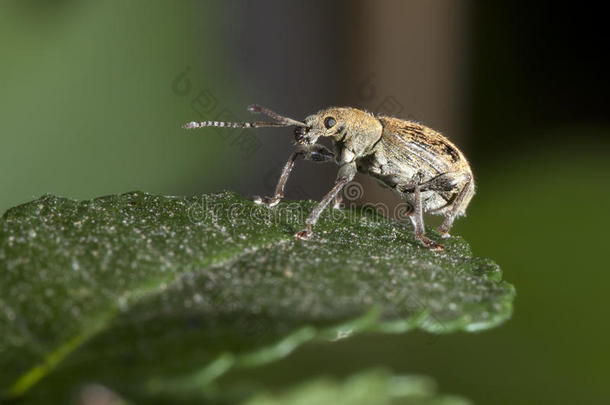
x: 371, y: 387
x: 142, y: 292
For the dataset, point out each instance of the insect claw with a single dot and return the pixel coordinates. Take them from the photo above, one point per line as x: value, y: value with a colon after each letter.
x: 435, y: 247
x: 430, y: 244
x: 268, y: 201
x: 305, y: 234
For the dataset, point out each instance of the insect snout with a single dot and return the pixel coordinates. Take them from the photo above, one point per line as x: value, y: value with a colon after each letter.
x: 300, y: 134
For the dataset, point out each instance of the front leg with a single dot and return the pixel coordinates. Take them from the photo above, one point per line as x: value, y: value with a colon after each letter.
x: 345, y: 175
x: 316, y: 153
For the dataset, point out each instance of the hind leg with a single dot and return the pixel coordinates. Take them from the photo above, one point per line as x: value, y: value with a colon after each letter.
x: 417, y: 216
x: 458, y: 206
x: 447, y: 182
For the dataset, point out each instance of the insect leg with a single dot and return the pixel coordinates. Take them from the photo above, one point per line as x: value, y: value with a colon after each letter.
x: 442, y: 182
x: 279, y: 189
x: 417, y: 218
x: 338, y: 201
x: 457, y: 207
x: 316, y: 153
x: 345, y: 175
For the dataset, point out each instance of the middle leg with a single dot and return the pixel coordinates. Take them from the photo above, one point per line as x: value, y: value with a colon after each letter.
x: 345, y: 175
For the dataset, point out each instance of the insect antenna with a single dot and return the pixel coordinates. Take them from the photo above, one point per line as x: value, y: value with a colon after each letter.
x: 225, y: 124
x: 254, y: 108
x: 280, y: 121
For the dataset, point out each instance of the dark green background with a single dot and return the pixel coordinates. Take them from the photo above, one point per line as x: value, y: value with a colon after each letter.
x: 87, y: 108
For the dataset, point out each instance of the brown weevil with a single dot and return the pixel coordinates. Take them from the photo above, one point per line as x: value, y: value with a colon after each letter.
x: 419, y: 164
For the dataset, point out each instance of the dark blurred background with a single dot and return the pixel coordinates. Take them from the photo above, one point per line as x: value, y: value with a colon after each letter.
x: 92, y: 96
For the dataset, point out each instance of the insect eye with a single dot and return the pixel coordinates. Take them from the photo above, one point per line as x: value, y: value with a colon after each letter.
x: 330, y: 122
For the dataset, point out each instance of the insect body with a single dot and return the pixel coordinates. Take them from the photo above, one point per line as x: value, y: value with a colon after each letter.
x: 420, y: 165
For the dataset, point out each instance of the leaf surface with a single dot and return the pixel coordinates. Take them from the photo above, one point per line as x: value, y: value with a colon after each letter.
x: 139, y: 292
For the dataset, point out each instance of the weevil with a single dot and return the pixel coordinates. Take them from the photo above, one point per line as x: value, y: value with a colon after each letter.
x: 419, y: 164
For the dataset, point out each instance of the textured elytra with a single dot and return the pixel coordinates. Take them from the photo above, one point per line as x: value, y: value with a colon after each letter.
x: 136, y: 288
